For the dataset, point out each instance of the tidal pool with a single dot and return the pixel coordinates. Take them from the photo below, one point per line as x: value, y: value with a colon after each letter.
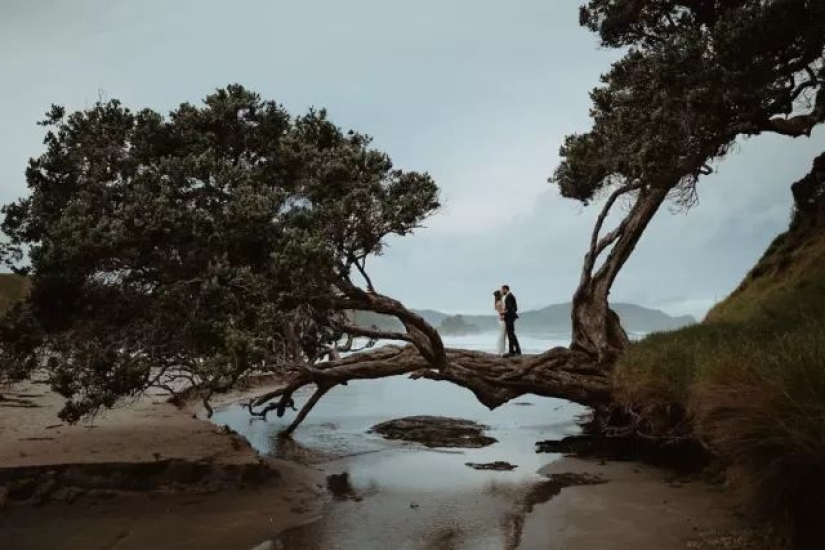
x: 404, y: 495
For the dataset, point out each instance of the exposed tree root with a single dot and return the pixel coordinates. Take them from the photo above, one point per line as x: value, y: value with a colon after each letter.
x: 494, y: 380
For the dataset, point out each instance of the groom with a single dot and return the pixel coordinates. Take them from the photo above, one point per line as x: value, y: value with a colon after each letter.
x: 510, y: 316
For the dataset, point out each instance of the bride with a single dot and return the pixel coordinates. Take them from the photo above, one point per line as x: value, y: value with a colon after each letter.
x: 502, y: 327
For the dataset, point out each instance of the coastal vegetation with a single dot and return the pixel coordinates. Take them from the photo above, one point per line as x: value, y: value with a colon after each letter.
x: 749, y: 382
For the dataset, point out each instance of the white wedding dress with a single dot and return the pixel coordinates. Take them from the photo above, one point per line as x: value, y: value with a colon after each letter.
x: 502, y: 328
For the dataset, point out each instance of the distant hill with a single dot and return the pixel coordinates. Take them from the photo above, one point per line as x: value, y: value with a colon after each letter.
x: 549, y: 320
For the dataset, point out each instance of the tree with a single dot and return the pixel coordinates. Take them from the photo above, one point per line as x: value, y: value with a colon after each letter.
x: 222, y: 242
x: 195, y: 250
x: 697, y: 75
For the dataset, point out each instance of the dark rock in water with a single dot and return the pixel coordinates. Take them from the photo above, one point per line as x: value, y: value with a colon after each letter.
x: 498, y: 466
x: 341, y: 487
x: 574, y: 444
x: 436, y: 431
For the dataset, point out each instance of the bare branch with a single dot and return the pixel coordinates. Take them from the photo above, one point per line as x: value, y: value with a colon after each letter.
x: 362, y: 269
x: 799, y: 125
x: 308, y: 406
x: 596, y: 245
x: 422, y: 334
x: 785, y: 104
x: 559, y: 372
x: 375, y: 333
x: 637, y: 220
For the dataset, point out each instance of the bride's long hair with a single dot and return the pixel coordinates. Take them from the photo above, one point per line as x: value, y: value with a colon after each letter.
x: 497, y: 296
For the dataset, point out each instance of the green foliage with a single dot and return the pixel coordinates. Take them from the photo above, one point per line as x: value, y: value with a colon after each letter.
x: 695, y: 76
x: 13, y: 288
x: 193, y: 249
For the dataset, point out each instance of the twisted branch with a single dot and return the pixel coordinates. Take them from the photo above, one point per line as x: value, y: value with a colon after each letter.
x: 559, y: 373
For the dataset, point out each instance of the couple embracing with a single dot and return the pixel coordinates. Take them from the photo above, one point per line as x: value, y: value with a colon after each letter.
x: 507, y: 308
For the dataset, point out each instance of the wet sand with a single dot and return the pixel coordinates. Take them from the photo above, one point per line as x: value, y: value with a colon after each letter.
x: 407, y: 496
x: 640, y: 507
x: 238, y: 519
x: 397, y: 495
x: 144, y: 430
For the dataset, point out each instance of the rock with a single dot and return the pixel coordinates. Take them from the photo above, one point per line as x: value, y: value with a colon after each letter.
x: 498, y: 466
x: 436, y: 431
x: 341, y: 487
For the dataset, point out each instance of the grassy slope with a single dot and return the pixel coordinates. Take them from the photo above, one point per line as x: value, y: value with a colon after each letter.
x: 749, y: 382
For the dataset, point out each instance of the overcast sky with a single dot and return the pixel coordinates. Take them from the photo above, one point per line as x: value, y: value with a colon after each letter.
x: 478, y: 93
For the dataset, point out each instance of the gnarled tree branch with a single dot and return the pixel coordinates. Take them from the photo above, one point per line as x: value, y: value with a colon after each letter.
x: 560, y: 373
x: 597, y: 245
x: 799, y: 125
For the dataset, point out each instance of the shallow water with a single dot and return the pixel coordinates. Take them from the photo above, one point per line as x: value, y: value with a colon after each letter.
x: 408, y: 496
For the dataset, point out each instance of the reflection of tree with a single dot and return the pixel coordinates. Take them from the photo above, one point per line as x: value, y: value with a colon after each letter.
x: 288, y: 448
x: 538, y: 493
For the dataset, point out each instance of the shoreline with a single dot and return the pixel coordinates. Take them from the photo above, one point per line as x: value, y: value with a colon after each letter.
x: 203, y: 486
x: 146, y: 445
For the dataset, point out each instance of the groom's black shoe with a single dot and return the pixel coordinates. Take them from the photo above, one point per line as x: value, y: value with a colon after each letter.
x: 508, y: 355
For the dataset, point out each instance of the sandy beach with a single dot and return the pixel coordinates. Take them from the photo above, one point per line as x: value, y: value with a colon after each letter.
x: 636, y: 507
x: 145, y: 430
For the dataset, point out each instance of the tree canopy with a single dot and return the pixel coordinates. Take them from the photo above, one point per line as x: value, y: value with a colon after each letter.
x: 192, y: 250
x: 696, y: 75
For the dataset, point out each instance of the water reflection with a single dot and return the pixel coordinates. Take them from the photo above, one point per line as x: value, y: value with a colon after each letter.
x: 396, y: 495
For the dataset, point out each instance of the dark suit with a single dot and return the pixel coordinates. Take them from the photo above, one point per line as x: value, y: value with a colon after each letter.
x: 510, y: 316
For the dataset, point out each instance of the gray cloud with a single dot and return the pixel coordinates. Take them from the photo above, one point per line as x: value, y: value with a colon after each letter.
x: 478, y: 93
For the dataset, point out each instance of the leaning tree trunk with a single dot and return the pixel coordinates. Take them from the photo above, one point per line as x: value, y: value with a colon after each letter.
x: 597, y: 330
